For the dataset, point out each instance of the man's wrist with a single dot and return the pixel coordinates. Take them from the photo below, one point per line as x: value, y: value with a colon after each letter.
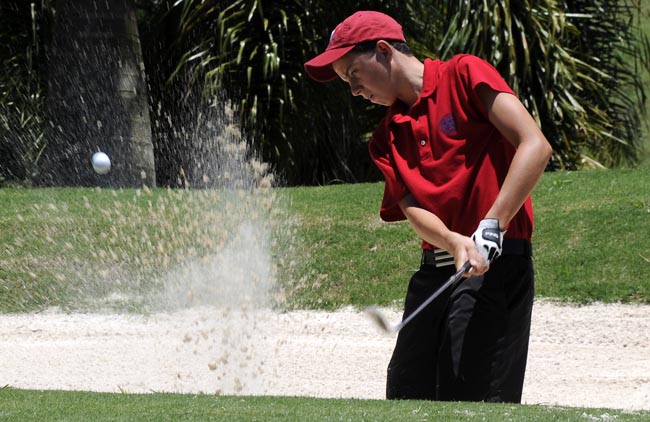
x: 503, y: 228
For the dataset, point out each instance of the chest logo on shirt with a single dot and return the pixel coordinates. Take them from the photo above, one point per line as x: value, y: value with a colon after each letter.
x: 447, y: 125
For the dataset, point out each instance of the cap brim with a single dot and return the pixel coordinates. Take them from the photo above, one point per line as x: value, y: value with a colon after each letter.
x: 320, y: 67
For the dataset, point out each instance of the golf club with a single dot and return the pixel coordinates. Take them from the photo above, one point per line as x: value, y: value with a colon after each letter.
x: 374, y: 313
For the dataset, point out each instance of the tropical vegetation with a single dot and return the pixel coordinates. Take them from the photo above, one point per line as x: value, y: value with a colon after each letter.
x: 578, y: 66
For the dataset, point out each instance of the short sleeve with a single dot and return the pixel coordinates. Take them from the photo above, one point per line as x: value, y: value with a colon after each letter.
x: 477, y: 71
x: 394, y: 188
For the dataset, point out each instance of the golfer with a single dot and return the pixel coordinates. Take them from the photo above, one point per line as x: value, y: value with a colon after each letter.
x: 460, y: 156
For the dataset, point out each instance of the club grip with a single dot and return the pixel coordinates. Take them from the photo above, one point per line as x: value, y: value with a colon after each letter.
x: 466, y: 267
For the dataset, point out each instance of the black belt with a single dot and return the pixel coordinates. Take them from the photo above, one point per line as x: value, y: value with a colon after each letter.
x: 441, y: 258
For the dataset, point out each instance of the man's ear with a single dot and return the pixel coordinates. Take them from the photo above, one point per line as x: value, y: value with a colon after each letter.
x: 384, y: 48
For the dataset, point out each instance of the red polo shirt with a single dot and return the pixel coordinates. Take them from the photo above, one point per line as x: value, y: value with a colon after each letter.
x: 445, y: 151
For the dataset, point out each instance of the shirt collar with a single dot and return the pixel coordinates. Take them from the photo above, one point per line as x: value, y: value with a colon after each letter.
x: 398, y: 110
x: 430, y: 77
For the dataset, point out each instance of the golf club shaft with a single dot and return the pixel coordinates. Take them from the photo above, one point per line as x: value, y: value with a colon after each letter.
x: 453, y: 279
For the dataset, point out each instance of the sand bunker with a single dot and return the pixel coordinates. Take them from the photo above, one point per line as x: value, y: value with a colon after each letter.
x: 592, y: 356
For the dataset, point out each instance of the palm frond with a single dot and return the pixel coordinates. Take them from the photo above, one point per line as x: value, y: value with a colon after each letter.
x: 570, y: 64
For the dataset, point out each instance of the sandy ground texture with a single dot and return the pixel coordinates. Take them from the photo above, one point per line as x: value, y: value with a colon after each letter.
x: 592, y: 356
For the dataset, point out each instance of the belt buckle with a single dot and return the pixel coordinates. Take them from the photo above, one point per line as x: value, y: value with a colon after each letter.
x: 442, y: 258
x: 437, y: 257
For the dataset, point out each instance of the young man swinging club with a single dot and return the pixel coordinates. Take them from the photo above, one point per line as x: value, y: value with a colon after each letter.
x: 460, y: 156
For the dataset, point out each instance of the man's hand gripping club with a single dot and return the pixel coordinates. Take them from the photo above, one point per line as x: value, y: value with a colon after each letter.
x: 488, y: 238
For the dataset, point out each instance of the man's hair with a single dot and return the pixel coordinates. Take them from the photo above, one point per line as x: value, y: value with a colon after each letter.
x: 369, y: 47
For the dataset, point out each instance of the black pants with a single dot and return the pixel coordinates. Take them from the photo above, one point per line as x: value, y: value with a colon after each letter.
x: 471, y: 343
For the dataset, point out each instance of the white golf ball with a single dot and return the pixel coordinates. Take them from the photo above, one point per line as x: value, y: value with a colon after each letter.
x: 101, y: 163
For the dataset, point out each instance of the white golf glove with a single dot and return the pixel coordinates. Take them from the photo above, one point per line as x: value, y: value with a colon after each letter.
x: 489, y: 239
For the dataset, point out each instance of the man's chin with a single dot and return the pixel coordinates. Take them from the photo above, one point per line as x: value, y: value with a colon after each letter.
x: 378, y: 102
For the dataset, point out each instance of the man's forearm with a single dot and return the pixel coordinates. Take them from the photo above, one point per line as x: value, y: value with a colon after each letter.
x: 426, y: 224
x: 525, y: 171
x: 435, y: 232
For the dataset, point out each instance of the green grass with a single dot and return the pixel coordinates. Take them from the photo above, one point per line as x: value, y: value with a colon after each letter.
x: 66, y: 247
x: 590, y: 239
x: 590, y: 242
x: 24, y: 405
x: 352, y: 257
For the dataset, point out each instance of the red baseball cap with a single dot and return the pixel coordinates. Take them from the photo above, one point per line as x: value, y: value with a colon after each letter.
x: 360, y: 27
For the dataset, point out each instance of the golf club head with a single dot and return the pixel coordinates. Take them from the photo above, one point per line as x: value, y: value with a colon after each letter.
x: 378, y: 318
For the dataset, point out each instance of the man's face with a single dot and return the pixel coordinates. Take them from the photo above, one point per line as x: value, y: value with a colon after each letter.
x: 368, y: 75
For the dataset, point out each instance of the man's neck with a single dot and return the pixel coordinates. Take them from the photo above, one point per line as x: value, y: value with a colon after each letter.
x: 412, y: 76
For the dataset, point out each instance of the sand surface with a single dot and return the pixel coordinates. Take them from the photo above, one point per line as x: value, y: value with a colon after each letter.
x: 593, y: 356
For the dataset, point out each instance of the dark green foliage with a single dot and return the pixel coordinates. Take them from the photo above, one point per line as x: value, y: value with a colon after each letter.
x: 574, y: 65
x: 254, y: 53
x: 22, y: 56
x: 97, y: 98
x: 577, y: 65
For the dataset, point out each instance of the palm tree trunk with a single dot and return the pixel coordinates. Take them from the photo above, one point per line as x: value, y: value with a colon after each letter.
x: 97, y: 97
